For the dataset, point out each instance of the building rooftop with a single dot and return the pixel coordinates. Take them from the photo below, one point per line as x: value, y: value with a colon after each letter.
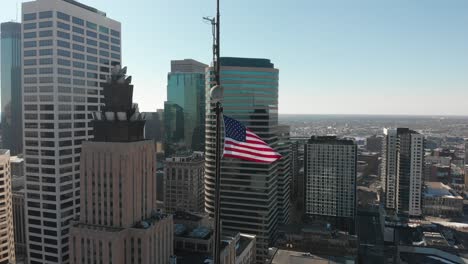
x: 246, y: 62
x: 195, y: 156
x: 181, y: 215
x: 155, y: 217
x: 89, y: 8
x: 438, y: 189
x: 295, y: 257
x: 331, y: 140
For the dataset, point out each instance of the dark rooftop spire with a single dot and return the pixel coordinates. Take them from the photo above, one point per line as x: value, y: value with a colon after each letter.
x: 119, y: 120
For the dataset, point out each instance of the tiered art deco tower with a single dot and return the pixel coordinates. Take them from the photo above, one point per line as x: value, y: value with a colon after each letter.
x: 118, y: 221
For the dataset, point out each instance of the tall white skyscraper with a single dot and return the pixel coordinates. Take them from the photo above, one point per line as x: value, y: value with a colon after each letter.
x: 402, y: 170
x: 330, y: 181
x: 68, y: 51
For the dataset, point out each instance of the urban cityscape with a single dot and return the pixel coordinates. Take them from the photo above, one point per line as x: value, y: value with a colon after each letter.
x: 215, y: 172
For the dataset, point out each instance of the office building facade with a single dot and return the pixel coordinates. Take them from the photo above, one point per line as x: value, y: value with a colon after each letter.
x: 402, y: 171
x: 249, y: 191
x: 10, y: 72
x: 284, y: 173
x: 330, y: 181
x: 118, y: 218
x: 184, y: 114
x: 7, y: 238
x: 184, y: 188
x: 68, y: 51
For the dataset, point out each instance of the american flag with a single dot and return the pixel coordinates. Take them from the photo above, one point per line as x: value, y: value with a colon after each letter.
x: 241, y: 143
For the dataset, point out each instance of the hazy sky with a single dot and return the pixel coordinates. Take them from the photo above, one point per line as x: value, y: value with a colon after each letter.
x: 334, y: 56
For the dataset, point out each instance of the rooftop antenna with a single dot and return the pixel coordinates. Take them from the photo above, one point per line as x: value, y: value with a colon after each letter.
x: 216, y: 94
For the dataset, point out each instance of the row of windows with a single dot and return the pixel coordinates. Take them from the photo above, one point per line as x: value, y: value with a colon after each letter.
x: 74, y: 20
x: 50, y: 107
x: 66, y: 44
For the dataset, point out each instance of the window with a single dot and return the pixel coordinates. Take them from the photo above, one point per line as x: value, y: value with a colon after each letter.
x: 103, y: 37
x: 78, y: 56
x: 91, y: 34
x: 78, y: 73
x: 115, y: 33
x: 45, y: 52
x: 115, y: 41
x: 78, y: 21
x: 63, y: 62
x: 92, y: 58
x: 103, y: 45
x: 63, y: 25
x: 30, y: 53
x: 45, y: 42
x: 91, y: 50
x: 64, y: 71
x: 78, y: 47
x: 64, y: 44
x: 91, y: 42
x: 30, y: 16
x: 28, y: 35
x: 78, y: 38
x: 45, y: 24
x: 31, y: 71
x: 62, y: 34
x: 29, y: 44
x: 92, y: 67
x: 115, y: 56
x: 78, y: 30
x: 45, y: 33
x: 46, y: 70
x: 63, y: 53
x: 104, y: 53
x: 64, y: 80
x: 63, y: 16
x: 91, y: 25
x: 115, y: 48
x: 103, y: 29
x: 45, y: 14
x: 27, y: 26
x: 45, y: 61
x: 30, y: 62
x: 78, y: 64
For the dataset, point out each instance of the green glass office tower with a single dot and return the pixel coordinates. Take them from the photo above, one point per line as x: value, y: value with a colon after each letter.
x: 250, y: 192
x: 184, y: 114
x: 11, y: 87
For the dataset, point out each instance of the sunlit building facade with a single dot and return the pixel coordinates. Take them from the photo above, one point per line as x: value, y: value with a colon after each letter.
x: 249, y: 191
x: 184, y: 114
x: 68, y: 51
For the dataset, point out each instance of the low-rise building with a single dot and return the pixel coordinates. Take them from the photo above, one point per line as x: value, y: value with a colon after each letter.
x: 440, y: 199
x: 282, y: 256
x: 184, y: 183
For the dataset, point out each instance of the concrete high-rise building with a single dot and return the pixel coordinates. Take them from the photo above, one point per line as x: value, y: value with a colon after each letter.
x: 10, y: 78
x: 402, y: 170
x: 284, y: 173
x: 184, y: 188
x: 184, y: 111
x: 374, y: 143
x: 7, y: 237
x: 118, y: 219
x: 19, y: 224
x: 68, y: 51
x: 330, y: 181
x: 249, y: 191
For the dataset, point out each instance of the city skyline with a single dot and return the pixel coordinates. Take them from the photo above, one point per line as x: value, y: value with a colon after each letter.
x: 340, y: 53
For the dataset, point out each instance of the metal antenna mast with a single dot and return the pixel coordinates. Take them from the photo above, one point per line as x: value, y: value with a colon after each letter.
x: 216, y: 95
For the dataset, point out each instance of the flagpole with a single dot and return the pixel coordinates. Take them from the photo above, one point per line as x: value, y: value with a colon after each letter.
x: 218, y: 110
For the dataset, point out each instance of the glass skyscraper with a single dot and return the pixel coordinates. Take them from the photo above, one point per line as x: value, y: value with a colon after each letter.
x: 11, y: 87
x: 184, y: 114
x: 250, y: 192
